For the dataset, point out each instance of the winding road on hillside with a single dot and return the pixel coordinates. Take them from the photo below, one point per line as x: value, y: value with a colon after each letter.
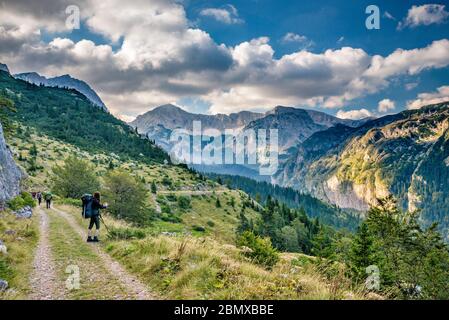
x: 101, y: 277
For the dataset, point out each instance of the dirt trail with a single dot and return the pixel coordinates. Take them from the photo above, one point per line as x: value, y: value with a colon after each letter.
x: 137, y: 289
x: 43, y: 279
x: 156, y: 204
x: 192, y: 192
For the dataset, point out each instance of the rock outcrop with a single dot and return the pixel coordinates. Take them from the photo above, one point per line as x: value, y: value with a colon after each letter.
x: 4, y: 67
x: 24, y: 213
x: 10, y: 173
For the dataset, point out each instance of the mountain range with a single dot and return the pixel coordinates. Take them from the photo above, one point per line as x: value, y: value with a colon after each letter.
x: 347, y: 163
x: 294, y: 125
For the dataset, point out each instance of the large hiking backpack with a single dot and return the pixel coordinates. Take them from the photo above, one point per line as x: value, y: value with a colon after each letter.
x: 87, y: 200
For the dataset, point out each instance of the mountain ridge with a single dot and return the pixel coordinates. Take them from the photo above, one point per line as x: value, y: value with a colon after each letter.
x: 63, y: 81
x: 404, y: 155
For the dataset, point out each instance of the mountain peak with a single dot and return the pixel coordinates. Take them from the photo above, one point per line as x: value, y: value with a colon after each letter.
x: 67, y: 76
x: 280, y: 109
x: 4, y: 67
x: 168, y: 107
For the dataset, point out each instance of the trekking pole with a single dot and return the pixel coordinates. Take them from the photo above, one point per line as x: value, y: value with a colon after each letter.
x: 105, y: 225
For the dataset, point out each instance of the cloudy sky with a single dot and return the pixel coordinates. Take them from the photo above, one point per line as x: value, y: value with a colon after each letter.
x: 228, y: 56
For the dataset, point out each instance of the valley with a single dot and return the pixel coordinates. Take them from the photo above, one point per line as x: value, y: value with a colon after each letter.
x: 172, y: 232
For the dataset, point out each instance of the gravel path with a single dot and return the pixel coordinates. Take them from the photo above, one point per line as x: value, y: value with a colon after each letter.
x: 156, y: 204
x: 135, y: 288
x: 43, y: 279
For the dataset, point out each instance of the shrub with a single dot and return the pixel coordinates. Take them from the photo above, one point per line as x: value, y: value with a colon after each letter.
x: 184, y: 202
x: 74, y: 178
x: 16, y: 203
x: 170, y: 218
x: 210, y: 223
x: 127, y: 197
x: 165, y: 208
x: 198, y: 228
x: 171, y: 197
x: 260, y: 249
x: 28, y: 199
x: 71, y: 202
x: 153, y: 187
x: 126, y: 233
x: 22, y: 200
x: 166, y: 181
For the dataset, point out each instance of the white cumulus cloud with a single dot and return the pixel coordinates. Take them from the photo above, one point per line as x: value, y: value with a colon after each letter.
x: 354, y: 114
x: 424, y: 99
x: 152, y: 55
x: 386, y: 105
x: 228, y: 14
x: 426, y: 14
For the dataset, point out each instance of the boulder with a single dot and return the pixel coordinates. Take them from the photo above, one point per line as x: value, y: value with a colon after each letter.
x: 3, y: 248
x: 3, y: 285
x: 24, y: 213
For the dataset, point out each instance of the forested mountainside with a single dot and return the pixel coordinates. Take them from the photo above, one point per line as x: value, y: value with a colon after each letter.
x: 403, y: 155
x: 261, y: 190
x: 65, y: 81
x: 69, y: 116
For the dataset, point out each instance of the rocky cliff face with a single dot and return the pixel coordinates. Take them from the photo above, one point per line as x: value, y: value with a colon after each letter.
x: 4, y: 67
x: 405, y: 155
x: 10, y: 174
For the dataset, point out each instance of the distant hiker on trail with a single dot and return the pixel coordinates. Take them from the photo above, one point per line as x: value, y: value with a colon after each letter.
x: 48, y: 197
x: 91, y: 209
x: 39, y: 198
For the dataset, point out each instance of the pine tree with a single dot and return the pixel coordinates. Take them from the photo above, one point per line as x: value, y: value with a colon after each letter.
x: 244, y: 223
x: 361, y: 254
x: 153, y: 187
x: 33, y: 150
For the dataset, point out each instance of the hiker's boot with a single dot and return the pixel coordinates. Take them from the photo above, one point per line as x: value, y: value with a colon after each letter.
x: 95, y: 239
x: 89, y: 239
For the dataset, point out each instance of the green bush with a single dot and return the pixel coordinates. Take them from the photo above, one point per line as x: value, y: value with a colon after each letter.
x: 126, y: 233
x: 127, y: 197
x: 210, y: 223
x: 16, y: 203
x: 22, y: 200
x: 260, y: 249
x: 198, y: 228
x: 171, y: 197
x: 74, y: 178
x: 165, y: 208
x: 170, y: 218
x: 184, y: 202
x: 28, y: 199
x: 70, y: 201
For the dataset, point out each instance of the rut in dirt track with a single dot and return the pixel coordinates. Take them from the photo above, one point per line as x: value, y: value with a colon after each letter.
x: 43, y: 279
x: 137, y: 289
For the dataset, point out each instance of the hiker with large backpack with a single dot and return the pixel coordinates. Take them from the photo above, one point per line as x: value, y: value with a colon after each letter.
x: 39, y: 198
x: 91, y: 210
x: 48, y: 197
